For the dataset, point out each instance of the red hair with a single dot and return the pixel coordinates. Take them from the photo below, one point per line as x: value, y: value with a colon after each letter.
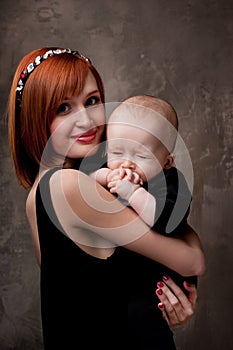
x: 54, y: 79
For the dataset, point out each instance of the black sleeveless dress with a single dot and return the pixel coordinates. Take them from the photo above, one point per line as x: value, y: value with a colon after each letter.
x: 84, y: 300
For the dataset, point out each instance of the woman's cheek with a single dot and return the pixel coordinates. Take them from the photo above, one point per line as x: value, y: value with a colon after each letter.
x: 59, y: 138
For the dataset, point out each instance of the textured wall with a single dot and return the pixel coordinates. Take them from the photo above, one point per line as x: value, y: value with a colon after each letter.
x: 179, y: 50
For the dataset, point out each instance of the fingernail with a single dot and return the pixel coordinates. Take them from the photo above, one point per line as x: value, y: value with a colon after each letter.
x: 159, y: 291
x: 161, y: 305
x: 165, y: 278
x: 188, y: 284
x: 160, y: 284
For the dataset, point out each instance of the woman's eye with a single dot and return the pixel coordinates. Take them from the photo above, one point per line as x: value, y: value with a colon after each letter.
x: 63, y: 108
x: 93, y: 100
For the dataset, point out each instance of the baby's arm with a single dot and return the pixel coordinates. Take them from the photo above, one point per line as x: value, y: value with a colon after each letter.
x: 100, y: 176
x: 144, y: 204
x: 105, y: 175
x: 139, y: 199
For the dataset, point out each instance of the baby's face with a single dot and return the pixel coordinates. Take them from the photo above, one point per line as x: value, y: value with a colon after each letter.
x: 134, y: 148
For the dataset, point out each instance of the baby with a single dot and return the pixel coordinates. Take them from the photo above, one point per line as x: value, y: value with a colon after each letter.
x: 141, y: 137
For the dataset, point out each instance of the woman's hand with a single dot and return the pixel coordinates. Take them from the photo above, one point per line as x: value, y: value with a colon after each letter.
x: 176, y: 307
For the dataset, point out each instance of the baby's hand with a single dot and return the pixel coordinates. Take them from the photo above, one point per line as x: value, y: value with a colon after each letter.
x: 133, y: 177
x: 124, y: 182
x: 116, y: 174
x: 123, y: 188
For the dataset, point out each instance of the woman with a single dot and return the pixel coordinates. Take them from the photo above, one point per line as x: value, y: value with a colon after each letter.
x: 56, y: 119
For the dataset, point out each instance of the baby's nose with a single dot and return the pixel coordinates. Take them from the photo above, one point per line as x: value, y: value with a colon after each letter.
x: 128, y: 164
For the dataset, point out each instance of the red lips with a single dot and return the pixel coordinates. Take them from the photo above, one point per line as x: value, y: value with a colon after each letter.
x: 87, y: 136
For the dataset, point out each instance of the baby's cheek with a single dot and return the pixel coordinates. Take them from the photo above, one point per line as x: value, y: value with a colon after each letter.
x: 113, y: 164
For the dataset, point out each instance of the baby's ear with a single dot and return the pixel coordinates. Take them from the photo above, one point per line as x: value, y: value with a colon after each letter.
x: 169, y: 161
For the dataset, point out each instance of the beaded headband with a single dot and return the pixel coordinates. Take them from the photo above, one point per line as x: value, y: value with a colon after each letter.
x: 39, y: 59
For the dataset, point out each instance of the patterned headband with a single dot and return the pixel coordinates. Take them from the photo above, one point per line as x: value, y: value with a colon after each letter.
x: 39, y: 59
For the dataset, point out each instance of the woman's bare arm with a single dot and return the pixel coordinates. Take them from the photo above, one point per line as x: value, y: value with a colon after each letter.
x: 82, y: 203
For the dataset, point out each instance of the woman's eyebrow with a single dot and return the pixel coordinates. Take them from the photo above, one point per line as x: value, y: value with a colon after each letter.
x: 93, y: 92
x: 68, y: 98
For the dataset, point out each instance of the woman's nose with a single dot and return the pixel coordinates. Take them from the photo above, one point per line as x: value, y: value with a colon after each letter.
x: 128, y: 164
x: 83, y: 119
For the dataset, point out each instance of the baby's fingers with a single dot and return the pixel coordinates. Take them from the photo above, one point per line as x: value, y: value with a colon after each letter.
x: 113, y: 190
x: 128, y: 174
x: 122, y: 173
x: 136, y: 178
x: 112, y: 184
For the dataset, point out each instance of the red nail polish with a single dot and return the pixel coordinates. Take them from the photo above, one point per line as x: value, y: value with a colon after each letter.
x: 159, y: 291
x: 188, y: 284
x: 160, y: 284
x: 161, y: 305
x: 165, y: 278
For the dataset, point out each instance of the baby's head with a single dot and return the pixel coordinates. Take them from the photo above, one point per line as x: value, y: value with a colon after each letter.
x: 157, y: 105
x: 143, y: 131
x: 152, y: 114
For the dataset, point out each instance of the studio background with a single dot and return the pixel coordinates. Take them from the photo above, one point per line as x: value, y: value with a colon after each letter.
x: 178, y: 50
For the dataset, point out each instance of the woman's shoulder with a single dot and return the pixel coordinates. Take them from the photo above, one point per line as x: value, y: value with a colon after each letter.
x: 53, y: 178
x: 30, y: 201
x: 67, y: 180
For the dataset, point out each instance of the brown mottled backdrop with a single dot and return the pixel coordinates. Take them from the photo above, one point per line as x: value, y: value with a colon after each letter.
x: 178, y: 50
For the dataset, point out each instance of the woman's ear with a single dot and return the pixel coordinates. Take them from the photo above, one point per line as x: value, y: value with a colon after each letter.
x: 169, y: 161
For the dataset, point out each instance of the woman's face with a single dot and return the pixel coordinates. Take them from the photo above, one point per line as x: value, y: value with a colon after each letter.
x: 78, y: 126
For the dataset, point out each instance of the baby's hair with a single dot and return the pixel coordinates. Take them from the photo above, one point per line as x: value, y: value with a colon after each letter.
x: 156, y: 104
x: 142, y: 108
